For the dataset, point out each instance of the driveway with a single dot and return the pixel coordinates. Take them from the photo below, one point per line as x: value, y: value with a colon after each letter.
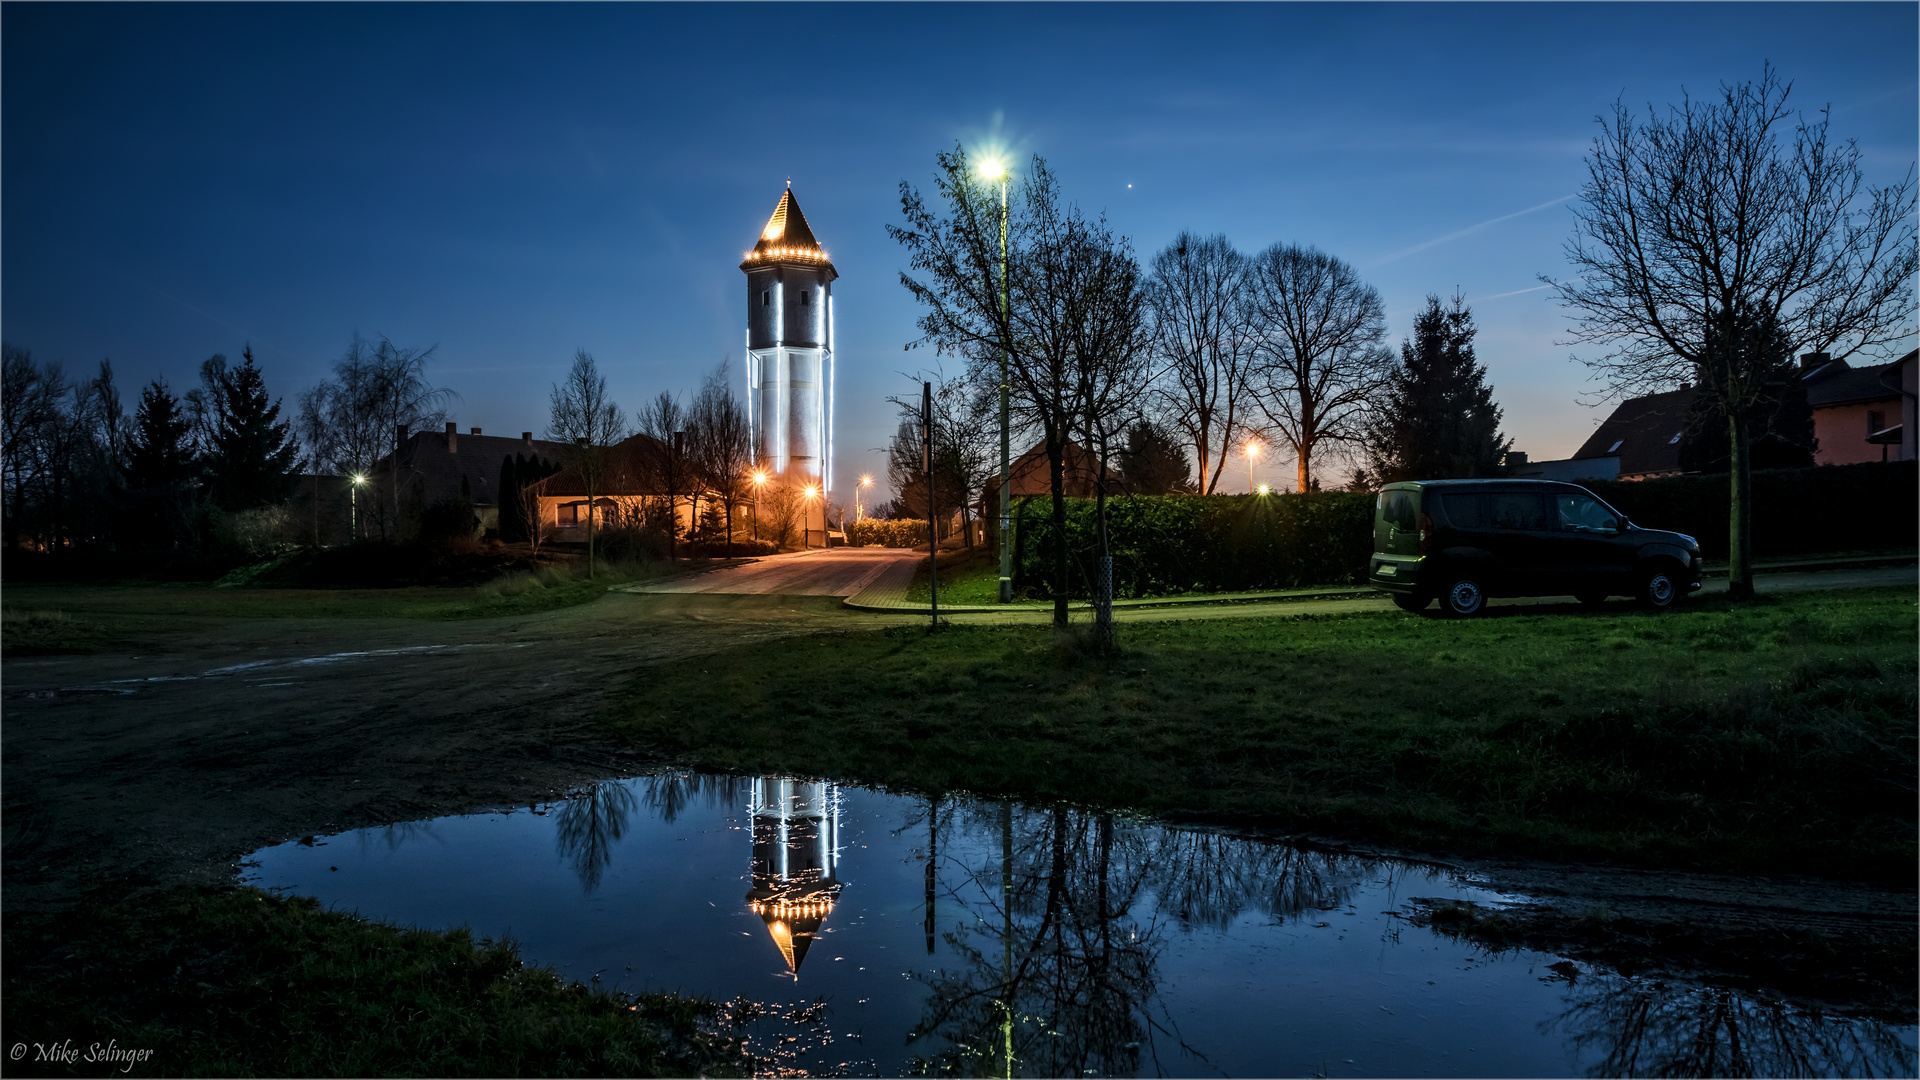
x: 827, y: 572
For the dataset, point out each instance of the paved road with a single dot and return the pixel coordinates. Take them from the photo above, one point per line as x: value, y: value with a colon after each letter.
x: 829, y: 572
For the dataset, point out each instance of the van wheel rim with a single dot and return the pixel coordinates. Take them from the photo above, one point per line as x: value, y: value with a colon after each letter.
x: 1464, y: 596
x: 1660, y: 589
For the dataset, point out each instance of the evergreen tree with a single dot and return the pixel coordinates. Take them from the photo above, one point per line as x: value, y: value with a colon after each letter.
x: 161, y: 470
x: 1438, y: 420
x: 1779, y: 419
x: 1153, y: 462
x: 251, y: 455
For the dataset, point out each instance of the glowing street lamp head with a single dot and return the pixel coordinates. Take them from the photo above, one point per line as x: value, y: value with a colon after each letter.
x: 760, y: 478
x: 813, y: 492
x: 1265, y: 490
x: 992, y: 169
x: 358, y: 479
x: 1253, y: 450
x: 866, y: 481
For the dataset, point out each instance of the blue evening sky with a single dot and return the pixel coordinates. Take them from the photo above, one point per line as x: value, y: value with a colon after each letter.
x: 515, y: 182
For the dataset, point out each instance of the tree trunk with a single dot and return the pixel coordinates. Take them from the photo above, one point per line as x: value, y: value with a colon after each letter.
x: 1739, y: 508
x: 1057, y: 468
x: 1103, y: 634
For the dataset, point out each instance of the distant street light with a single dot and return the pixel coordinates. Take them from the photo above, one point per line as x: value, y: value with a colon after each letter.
x: 859, y: 506
x: 1265, y: 490
x: 353, y: 505
x: 1253, y: 451
x: 759, y: 479
x: 806, y: 520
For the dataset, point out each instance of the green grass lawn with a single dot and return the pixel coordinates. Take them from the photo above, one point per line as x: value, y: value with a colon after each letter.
x: 234, y: 982
x: 1777, y: 735
x: 85, y: 618
x: 966, y: 577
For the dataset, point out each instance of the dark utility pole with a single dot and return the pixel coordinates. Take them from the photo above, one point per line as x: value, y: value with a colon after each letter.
x: 933, y: 524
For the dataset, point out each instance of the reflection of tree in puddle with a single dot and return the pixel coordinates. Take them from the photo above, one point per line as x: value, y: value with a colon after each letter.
x: 588, y: 825
x: 669, y: 795
x: 1056, y: 974
x: 1641, y: 1027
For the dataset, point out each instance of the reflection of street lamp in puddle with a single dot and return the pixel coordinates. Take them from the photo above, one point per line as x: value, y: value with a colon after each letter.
x: 796, y: 832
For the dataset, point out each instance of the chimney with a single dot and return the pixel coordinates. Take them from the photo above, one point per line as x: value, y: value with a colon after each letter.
x: 527, y: 437
x: 400, y: 437
x: 453, y: 437
x: 475, y: 431
x: 1812, y: 360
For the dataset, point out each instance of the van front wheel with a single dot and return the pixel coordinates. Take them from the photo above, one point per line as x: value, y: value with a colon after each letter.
x: 1464, y: 598
x: 1659, y: 589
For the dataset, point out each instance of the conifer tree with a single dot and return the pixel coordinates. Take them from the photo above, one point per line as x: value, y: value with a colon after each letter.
x: 1438, y: 420
x: 160, y: 469
x: 251, y: 456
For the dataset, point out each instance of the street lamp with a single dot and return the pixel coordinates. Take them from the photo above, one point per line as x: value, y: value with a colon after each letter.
x: 860, y: 507
x: 1253, y: 451
x: 353, y: 505
x: 806, y: 521
x: 993, y: 169
x: 759, y: 479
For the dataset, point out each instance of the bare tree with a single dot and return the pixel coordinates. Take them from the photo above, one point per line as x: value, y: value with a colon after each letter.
x: 589, y: 422
x: 1698, y: 238
x: 721, y: 441
x: 665, y: 422
x: 1318, y: 341
x: 1203, y: 338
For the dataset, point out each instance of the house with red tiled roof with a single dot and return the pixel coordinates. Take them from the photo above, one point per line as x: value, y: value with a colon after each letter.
x: 1860, y: 413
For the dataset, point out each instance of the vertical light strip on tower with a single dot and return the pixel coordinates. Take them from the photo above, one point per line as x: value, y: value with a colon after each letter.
x: 826, y: 466
x: 753, y: 387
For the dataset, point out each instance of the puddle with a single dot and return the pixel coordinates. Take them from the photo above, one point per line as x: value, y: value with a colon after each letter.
x: 858, y: 932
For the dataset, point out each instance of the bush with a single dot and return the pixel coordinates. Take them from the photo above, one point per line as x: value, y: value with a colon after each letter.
x: 1795, y: 511
x: 449, y: 521
x: 626, y: 544
x: 1167, y: 544
x: 876, y: 532
x: 718, y: 549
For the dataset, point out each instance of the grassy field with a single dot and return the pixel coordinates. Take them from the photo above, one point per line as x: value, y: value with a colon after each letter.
x: 966, y: 577
x: 1771, y: 736
x: 85, y: 618
x: 234, y: 982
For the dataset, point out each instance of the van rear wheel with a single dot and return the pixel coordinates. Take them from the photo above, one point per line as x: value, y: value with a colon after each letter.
x: 1464, y: 598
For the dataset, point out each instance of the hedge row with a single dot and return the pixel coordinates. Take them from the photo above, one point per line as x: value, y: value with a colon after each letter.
x: 1167, y: 544
x: 1795, y: 511
x: 876, y: 532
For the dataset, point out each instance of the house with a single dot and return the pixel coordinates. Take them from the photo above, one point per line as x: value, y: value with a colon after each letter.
x: 1860, y: 413
x: 429, y: 467
x: 1640, y: 440
x: 631, y: 484
x: 1029, y: 474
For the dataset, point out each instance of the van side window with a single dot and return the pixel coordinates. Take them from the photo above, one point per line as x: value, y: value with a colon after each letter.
x: 1464, y: 510
x: 1579, y: 513
x: 1396, y: 509
x: 1523, y: 510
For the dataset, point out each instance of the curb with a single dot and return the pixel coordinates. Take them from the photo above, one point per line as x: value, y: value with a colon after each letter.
x: 1863, y: 562
x: 1346, y: 593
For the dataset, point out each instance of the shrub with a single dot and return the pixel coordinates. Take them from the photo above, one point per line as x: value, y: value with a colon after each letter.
x: 1166, y: 544
x: 1795, y: 511
x: 876, y: 532
x: 627, y: 544
x: 448, y: 521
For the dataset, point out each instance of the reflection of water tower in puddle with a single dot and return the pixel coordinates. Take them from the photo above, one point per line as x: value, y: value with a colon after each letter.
x: 796, y: 829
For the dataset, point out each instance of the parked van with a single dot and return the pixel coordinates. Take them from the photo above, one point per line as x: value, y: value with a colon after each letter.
x: 1462, y: 541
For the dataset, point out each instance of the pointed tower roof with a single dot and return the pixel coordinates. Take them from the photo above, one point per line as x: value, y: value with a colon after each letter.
x: 787, y: 239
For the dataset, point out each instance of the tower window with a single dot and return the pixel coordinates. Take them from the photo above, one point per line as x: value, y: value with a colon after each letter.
x: 803, y: 298
x: 766, y: 298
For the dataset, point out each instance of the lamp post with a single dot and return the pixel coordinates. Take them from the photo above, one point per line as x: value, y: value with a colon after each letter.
x: 806, y: 521
x: 759, y: 478
x: 353, y: 505
x: 859, y: 504
x: 1253, y: 451
x: 991, y: 170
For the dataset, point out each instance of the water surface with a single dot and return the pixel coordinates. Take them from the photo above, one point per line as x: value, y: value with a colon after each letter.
x: 883, y: 934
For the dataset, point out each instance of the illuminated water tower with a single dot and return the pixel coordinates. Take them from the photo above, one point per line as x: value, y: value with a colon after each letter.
x: 790, y: 349
x: 796, y: 839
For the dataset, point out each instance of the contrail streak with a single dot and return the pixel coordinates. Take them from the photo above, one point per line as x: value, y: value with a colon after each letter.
x: 1469, y: 230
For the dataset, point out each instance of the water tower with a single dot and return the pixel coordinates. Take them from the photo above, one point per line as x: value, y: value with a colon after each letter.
x: 790, y: 349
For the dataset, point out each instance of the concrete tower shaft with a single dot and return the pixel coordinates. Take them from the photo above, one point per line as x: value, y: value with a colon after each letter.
x: 790, y: 348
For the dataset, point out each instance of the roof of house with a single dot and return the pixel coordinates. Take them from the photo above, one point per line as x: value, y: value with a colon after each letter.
x: 1644, y: 432
x: 632, y: 469
x: 436, y: 461
x: 1836, y: 383
x: 1030, y: 474
x: 787, y: 238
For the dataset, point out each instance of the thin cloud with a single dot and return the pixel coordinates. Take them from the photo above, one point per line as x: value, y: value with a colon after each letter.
x: 1504, y: 295
x: 1468, y: 231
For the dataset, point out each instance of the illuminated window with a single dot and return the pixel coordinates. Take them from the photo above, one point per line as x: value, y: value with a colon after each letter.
x: 569, y: 515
